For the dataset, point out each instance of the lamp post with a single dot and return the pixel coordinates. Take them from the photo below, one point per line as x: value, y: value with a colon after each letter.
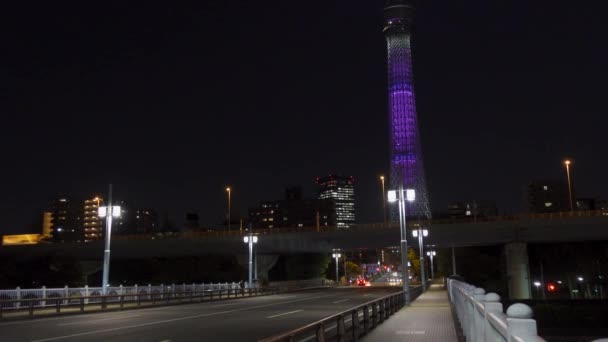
x: 108, y: 212
x: 228, y: 190
x: 383, y: 201
x: 250, y: 240
x: 431, y: 254
x: 400, y: 196
x: 337, y: 256
x: 420, y: 233
x: 567, y: 163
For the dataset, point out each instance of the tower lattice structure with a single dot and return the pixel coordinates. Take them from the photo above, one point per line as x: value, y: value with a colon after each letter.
x: 406, y: 169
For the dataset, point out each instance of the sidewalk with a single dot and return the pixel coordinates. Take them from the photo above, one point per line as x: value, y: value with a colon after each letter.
x: 429, y: 318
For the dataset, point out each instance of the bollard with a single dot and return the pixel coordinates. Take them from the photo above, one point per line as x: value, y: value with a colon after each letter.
x: 355, y: 324
x: 365, y: 319
x: 320, y: 332
x: 341, y: 329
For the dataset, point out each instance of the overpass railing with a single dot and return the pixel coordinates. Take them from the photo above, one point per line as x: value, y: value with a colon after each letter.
x: 482, y: 318
x: 79, y: 304
x: 558, y: 216
x: 43, y: 296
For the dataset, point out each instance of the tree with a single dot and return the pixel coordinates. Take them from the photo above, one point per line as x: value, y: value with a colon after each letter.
x: 352, y: 270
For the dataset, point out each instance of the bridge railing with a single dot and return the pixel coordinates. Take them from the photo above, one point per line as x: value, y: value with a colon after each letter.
x: 75, y: 304
x: 482, y: 318
x: 347, y: 325
x: 42, y: 296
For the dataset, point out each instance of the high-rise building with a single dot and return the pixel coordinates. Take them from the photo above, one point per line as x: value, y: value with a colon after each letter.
x: 547, y: 196
x: 92, y: 223
x: 340, y: 191
x: 406, y: 166
x: 294, y: 211
x: 66, y: 224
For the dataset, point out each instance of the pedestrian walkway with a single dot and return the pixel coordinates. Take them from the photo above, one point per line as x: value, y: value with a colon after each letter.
x: 428, y: 318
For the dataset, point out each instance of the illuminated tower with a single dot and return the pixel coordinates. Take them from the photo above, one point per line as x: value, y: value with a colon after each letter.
x: 406, y: 155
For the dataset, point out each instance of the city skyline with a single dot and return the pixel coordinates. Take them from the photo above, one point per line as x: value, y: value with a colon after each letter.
x: 485, y: 132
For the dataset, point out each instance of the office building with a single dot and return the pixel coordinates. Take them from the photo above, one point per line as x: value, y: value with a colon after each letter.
x: 340, y: 192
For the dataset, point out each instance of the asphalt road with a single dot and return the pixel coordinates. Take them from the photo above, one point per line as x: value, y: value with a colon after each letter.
x: 246, y: 319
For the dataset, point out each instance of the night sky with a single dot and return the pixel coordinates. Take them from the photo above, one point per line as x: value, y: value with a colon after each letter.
x: 172, y: 103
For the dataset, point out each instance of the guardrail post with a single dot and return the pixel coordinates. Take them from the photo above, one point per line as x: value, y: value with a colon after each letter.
x: 320, y: 333
x: 341, y: 330
x: 355, y: 323
x: 374, y: 315
x: 31, y: 308
x: 162, y: 291
x: 18, y: 293
x: 121, y: 298
x: 57, y: 306
x: 86, y: 294
x: 43, y: 302
x: 520, y: 322
x: 82, y: 304
x: 67, y: 295
x: 477, y: 333
x: 381, y: 311
x: 492, y: 305
x: 149, y: 291
x: 120, y: 289
x: 365, y: 319
x: 103, y: 302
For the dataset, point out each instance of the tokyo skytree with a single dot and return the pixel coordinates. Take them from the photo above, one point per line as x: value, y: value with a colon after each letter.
x: 406, y: 168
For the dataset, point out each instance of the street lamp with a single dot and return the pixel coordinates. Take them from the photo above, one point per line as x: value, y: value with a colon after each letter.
x: 228, y: 190
x: 108, y: 212
x: 250, y: 239
x: 337, y: 256
x: 420, y: 233
x: 383, y: 201
x: 567, y: 163
x: 401, y: 196
x: 432, y: 254
x: 537, y: 284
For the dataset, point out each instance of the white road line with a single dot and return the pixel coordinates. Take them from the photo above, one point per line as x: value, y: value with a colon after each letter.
x: 98, y: 320
x: 283, y: 314
x: 172, y: 320
x: 165, y: 341
x: 340, y: 301
x: 219, y: 306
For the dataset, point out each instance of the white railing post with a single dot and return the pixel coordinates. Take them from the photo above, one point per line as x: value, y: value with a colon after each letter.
x: 520, y: 322
x: 18, y: 293
x: 66, y: 292
x: 492, y: 304
x: 479, y: 296
x: 43, y: 296
x: 120, y: 289
x: 136, y: 289
x: 149, y: 291
x: 86, y: 294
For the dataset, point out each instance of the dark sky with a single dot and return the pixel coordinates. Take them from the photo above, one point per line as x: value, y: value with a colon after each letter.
x: 174, y: 102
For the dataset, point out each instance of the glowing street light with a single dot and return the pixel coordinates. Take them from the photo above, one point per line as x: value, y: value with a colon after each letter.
x: 228, y: 190
x: 383, y: 200
x: 420, y: 233
x: 108, y: 212
x: 250, y: 240
x: 337, y: 256
x: 431, y: 254
x: 567, y: 163
x: 400, y: 197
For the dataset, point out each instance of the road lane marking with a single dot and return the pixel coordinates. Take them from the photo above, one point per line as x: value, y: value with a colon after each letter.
x: 285, y: 313
x: 340, y: 301
x: 98, y: 320
x: 219, y: 306
x: 173, y: 320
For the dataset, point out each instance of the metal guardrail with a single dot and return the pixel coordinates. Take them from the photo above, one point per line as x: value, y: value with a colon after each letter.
x: 350, y: 324
x: 482, y: 319
x: 43, y: 294
x: 120, y: 300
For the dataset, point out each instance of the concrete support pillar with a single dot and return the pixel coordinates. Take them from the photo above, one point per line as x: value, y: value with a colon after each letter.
x: 518, y: 270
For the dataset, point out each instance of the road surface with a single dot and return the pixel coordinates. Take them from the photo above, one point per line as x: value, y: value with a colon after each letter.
x: 246, y: 319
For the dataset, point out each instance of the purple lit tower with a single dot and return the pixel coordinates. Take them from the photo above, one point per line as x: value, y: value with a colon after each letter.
x: 406, y: 155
